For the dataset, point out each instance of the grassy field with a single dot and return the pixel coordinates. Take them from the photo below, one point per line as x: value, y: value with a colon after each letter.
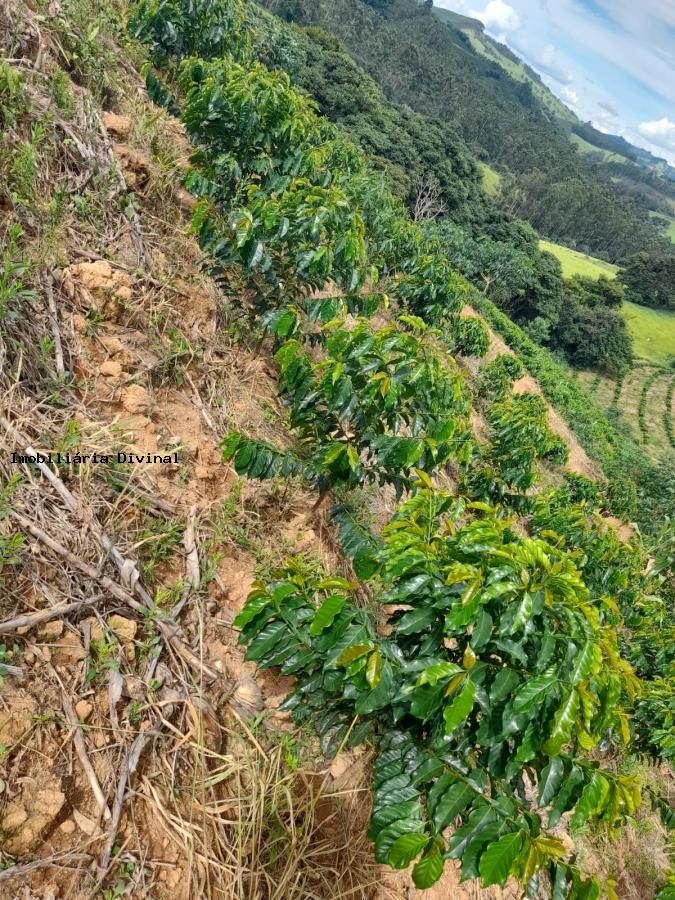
x: 574, y: 263
x: 670, y: 230
x: 587, y: 148
x: 491, y: 179
x: 653, y: 333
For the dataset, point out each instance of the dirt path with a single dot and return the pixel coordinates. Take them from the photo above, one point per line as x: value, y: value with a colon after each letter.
x: 579, y: 461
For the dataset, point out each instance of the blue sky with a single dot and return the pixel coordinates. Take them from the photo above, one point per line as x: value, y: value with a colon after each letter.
x: 611, y: 61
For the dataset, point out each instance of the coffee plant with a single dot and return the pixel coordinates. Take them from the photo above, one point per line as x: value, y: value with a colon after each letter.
x: 380, y: 406
x: 497, y: 377
x: 520, y: 437
x: 500, y: 669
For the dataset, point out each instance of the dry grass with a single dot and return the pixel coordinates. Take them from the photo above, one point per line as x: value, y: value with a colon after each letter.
x: 251, y: 828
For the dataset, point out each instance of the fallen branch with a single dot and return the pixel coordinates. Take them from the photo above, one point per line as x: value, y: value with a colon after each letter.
x: 192, y: 579
x: 22, y: 869
x: 81, y: 750
x: 166, y: 629
x: 129, y: 766
x: 30, y: 620
x: 203, y: 410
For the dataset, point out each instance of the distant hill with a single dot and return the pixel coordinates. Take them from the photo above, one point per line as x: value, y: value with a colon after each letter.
x: 571, y: 183
x: 608, y: 146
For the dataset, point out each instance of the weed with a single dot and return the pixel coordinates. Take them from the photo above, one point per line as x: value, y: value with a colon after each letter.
x: 94, y: 318
x: 134, y: 712
x: 157, y: 542
x: 124, y: 877
x: 226, y: 522
x: 14, y: 291
x: 24, y: 168
x: 12, y: 96
x: 102, y: 657
x: 176, y: 357
x: 61, y: 93
x: 10, y: 545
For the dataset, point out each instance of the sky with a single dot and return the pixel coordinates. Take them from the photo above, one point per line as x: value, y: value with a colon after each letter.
x: 611, y: 61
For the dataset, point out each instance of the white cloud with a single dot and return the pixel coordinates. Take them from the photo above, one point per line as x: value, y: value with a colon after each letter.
x: 570, y: 95
x: 547, y: 55
x: 498, y: 15
x: 660, y: 131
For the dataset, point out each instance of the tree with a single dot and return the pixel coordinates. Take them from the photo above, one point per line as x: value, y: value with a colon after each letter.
x: 429, y: 203
x: 650, y: 279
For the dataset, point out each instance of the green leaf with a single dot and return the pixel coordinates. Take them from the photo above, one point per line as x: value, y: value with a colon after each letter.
x: 592, y: 801
x: 459, y: 709
x: 447, y: 799
x: 496, y: 862
x: 550, y: 780
x: 479, y: 820
x: 405, y: 849
x: 523, y: 612
x: 374, y: 668
x: 389, y: 835
x: 482, y: 630
x: 505, y: 681
x: 583, y: 663
x: 230, y: 444
x: 351, y: 653
x: 562, y: 724
x: 429, y: 869
x: 565, y: 798
x: 266, y: 640
x: 534, y: 691
x: 325, y: 614
x: 437, y: 671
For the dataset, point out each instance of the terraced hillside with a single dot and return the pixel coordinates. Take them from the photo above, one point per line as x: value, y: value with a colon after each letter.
x: 645, y: 400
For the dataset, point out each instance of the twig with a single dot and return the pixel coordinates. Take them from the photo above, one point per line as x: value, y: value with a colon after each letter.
x: 81, y: 750
x: 129, y: 766
x: 169, y: 631
x: 24, y: 868
x: 30, y: 620
x: 192, y: 579
x: 203, y: 410
x: 58, y: 346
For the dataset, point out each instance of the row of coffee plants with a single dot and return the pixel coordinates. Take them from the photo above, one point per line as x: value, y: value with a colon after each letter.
x: 502, y: 667
x: 380, y: 405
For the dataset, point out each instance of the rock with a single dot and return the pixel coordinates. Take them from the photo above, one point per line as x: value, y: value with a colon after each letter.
x: 118, y: 126
x: 299, y: 536
x: 99, y: 740
x: 84, y: 709
x: 112, y: 344
x: 135, y: 165
x: 26, y: 817
x: 125, y: 629
x: 68, y: 649
x: 247, y: 698
x: 79, y: 324
x: 67, y: 827
x: 50, y: 631
x: 84, y: 823
x: 186, y: 201
x: 110, y: 369
x: 98, y: 286
x: 135, y: 399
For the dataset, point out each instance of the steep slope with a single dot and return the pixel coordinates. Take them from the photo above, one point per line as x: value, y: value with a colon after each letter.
x: 142, y: 754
